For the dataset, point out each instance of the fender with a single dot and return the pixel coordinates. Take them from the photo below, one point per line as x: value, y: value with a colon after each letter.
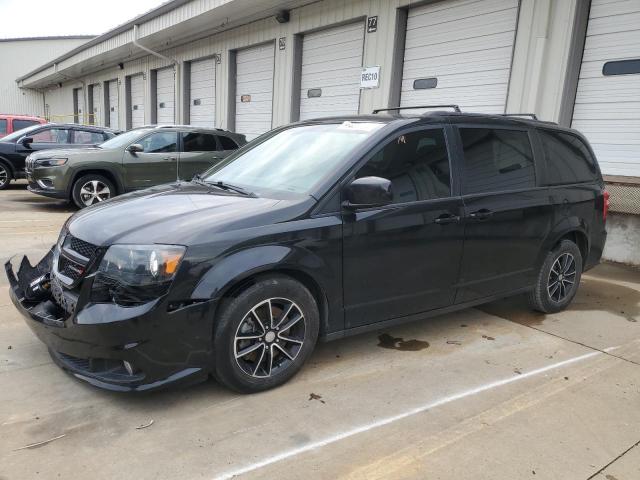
x: 565, y: 226
x: 5, y: 161
x: 243, y: 264
x: 84, y: 169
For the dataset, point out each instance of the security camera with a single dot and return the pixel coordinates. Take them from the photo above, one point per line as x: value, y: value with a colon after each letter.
x: 282, y: 16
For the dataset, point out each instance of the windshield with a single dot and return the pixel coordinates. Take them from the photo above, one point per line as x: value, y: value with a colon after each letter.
x: 20, y: 133
x: 124, y: 139
x: 293, y: 160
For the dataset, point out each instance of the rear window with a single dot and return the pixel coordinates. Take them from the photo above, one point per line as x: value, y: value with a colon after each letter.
x: 227, y: 143
x: 20, y: 124
x: 496, y: 160
x: 567, y: 158
x: 3, y: 126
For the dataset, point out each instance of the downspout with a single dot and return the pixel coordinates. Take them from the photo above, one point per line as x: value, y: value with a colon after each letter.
x: 177, y: 111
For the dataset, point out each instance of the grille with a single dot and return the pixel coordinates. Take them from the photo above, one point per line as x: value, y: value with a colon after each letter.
x: 85, y: 249
x: 70, y: 269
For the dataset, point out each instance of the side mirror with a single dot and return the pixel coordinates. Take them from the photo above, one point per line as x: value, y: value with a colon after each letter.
x: 135, y: 148
x: 26, y: 141
x: 368, y: 192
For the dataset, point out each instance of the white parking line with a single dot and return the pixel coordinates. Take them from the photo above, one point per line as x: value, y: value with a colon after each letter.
x: 414, y: 411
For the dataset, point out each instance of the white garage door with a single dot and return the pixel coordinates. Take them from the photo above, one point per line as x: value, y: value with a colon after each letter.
x: 96, y: 92
x: 78, y: 102
x: 459, y: 52
x: 202, y: 90
x: 607, y: 108
x: 331, y: 66
x: 165, y: 96
x: 113, y: 103
x: 254, y: 90
x: 137, y: 101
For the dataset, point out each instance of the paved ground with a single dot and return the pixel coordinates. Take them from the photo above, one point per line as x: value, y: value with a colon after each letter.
x: 496, y: 392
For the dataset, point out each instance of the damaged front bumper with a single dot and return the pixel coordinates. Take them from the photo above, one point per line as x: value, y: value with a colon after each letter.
x: 113, y: 347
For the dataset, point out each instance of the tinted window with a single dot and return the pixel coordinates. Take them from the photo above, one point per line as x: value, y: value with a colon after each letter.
x: 20, y: 124
x: 621, y: 67
x: 87, y: 138
x: 160, y: 142
x: 51, y: 135
x: 3, y: 125
x: 199, y: 142
x: 496, y: 160
x: 568, y: 158
x: 417, y: 164
x: 227, y: 143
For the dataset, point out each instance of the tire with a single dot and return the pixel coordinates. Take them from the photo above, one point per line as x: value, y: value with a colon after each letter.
x: 558, y: 279
x: 257, y: 362
x: 5, y: 176
x: 82, y: 192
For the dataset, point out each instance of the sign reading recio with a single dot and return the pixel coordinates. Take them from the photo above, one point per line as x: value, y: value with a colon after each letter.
x: 370, y: 77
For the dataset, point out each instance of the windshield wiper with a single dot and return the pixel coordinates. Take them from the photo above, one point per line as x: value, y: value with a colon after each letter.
x: 224, y: 186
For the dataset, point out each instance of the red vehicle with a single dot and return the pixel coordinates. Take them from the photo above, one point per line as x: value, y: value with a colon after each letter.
x: 10, y: 123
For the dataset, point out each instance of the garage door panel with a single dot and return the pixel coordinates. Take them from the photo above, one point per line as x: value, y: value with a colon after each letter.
x: 202, y: 88
x: 137, y: 101
x: 113, y: 104
x: 607, y: 108
x: 467, y: 46
x: 165, y: 96
x: 331, y: 66
x: 97, y: 95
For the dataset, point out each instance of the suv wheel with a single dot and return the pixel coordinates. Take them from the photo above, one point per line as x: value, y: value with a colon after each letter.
x: 264, y: 335
x: 558, y: 279
x: 5, y: 176
x: 90, y: 189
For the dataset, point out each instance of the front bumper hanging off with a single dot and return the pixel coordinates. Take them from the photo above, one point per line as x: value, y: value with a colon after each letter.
x: 117, y: 348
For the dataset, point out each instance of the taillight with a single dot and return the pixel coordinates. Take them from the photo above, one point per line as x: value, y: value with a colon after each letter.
x: 605, y: 206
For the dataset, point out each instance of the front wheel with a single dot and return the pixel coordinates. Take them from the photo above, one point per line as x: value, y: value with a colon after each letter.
x: 5, y: 176
x: 265, y: 334
x: 90, y: 189
x: 558, y: 279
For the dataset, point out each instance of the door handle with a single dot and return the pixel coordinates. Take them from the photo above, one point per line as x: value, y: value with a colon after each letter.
x: 446, y: 218
x: 169, y: 158
x: 481, y: 214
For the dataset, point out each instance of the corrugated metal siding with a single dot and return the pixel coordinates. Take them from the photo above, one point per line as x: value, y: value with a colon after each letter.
x: 467, y: 46
x: 607, y: 108
x: 331, y: 66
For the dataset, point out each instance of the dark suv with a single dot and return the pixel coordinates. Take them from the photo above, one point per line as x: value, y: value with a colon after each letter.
x: 319, y: 229
x: 15, y: 147
x: 137, y: 159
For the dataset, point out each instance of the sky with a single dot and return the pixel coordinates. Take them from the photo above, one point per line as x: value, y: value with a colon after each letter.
x: 40, y: 18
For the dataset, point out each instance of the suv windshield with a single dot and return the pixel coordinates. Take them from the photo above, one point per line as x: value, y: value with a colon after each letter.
x: 293, y: 160
x: 124, y: 139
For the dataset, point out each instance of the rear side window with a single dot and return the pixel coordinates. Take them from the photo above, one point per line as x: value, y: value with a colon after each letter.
x: 3, y: 126
x: 85, y: 137
x: 20, y: 124
x: 417, y: 164
x: 496, y: 160
x: 568, y: 158
x: 227, y: 143
x: 199, y: 142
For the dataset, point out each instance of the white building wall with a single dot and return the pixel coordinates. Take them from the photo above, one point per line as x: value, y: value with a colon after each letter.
x: 21, y: 56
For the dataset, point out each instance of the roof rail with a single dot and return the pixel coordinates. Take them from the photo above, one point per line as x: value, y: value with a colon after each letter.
x: 532, y: 115
x: 454, y: 107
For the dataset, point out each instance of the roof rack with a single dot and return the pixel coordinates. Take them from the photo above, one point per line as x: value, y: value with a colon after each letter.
x: 532, y: 115
x: 454, y: 107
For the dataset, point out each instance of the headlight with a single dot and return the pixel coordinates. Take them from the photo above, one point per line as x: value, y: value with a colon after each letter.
x: 51, y: 162
x: 131, y: 275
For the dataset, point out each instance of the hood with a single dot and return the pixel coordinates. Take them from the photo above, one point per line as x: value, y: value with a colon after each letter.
x: 67, y: 152
x: 180, y: 214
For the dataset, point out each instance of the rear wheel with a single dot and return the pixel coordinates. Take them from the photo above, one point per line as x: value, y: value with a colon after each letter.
x: 265, y: 334
x: 558, y: 279
x: 5, y: 176
x: 91, y: 189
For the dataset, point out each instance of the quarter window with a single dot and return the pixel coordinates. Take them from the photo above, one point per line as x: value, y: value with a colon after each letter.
x: 51, y: 135
x: 568, y: 158
x: 161, y: 142
x: 496, y: 160
x: 227, y: 143
x: 199, y: 142
x: 85, y: 137
x: 417, y: 164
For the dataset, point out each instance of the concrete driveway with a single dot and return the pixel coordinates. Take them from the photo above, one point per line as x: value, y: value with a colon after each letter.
x: 497, y: 392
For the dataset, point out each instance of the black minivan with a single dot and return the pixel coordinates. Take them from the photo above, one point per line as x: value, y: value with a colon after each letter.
x: 316, y: 230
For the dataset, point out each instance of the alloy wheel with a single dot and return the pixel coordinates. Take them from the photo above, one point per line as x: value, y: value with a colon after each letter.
x: 269, y: 337
x: 94, y: 191
x: 4, y: 176
x: 562, y: 277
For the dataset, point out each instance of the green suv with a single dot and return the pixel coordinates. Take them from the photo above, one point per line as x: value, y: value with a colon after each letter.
x: 134, y: 160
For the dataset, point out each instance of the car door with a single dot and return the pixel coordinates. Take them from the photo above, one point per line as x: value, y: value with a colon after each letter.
x: 156, y: 164
x: 506, y: 215
x: 199, y: 151
x: 403, y: 258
